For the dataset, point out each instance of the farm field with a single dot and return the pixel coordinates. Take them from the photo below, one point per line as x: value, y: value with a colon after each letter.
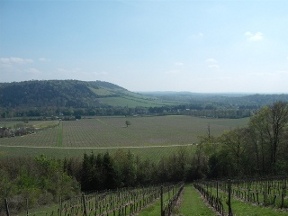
x: 146, y: 135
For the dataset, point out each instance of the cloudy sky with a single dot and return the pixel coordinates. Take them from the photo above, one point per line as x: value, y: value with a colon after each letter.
x: 163, y: 45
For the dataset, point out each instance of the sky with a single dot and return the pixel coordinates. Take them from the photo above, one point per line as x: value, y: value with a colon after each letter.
x: 206, y: 46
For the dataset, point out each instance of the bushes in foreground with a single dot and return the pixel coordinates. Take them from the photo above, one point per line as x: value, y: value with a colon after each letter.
x: 40, y: 181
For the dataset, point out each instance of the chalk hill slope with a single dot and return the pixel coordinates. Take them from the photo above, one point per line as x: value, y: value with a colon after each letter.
x: 70, y: 93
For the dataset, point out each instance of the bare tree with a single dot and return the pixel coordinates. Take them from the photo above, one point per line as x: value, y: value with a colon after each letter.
x: 269, y: 125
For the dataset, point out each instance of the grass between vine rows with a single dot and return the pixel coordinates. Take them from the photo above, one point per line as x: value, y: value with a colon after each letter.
x: 192, y: 204
x: 241, y: 208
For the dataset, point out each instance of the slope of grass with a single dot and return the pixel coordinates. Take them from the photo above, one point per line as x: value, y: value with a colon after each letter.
x: 192, y: 204
x: 247, y: 209
x: 153, y: 210
x: 152, y: 154
x: 60, y: 134
x: 101, y: 91
x: 241, y: 208
x: 127, y: 101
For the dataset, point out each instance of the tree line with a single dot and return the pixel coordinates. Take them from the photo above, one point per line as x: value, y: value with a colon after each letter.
x: 259, y: 149
x: 204, y: 110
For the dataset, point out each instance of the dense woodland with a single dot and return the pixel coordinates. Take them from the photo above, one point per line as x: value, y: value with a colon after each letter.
x: 258, y: 150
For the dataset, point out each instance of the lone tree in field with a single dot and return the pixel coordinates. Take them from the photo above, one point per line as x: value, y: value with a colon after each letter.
x: 127, y: 123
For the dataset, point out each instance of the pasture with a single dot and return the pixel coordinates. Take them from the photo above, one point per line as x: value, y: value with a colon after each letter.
x: 149, y: 136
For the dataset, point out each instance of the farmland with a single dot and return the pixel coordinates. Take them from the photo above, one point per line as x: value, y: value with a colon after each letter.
x: 146, y: 135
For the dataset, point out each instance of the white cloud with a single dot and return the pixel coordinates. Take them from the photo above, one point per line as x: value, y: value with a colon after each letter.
x: 212, y: 63
x: 15, y: 60
x: 179, y: 64
x: 258, y: 36
x: 44, y: 59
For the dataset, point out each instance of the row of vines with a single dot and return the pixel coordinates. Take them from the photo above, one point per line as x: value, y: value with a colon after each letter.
x: 261, y: 192
x: 168, y: 206
x: 120, y: 202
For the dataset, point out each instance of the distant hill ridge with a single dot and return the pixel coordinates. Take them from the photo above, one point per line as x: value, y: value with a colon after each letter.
x: 87, y: 94
x: 60, y: 93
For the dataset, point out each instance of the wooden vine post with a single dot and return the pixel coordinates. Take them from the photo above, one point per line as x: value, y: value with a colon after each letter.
x: 229, y: 199
x: 60, y: 206
x: 217, y: 189
x: 161, y: 200
x: 283, y: 193
x: 84, y: 205
x: 27, y: 207
x: 7, y: 208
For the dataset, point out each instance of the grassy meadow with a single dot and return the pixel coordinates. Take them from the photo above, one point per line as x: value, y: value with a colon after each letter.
x: 146, y: 136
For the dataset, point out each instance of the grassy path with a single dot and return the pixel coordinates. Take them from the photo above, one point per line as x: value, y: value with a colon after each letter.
x: 60, y: 135
x: 192, y: 203
x: 153, y: 209
x: 59, y: 140
x: 240, y: 208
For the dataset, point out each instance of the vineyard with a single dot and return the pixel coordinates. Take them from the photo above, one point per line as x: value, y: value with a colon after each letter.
x: 231, y: 197
x: 245, y: 197
x: 126, y: 201
x: 108, y: 133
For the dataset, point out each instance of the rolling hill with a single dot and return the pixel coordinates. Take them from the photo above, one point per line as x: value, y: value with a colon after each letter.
x: 70, y: 93
x: 77, y: 94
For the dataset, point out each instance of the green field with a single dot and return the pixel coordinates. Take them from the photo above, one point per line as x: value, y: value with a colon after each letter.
x: 132, y: 101
x: 148, y: 136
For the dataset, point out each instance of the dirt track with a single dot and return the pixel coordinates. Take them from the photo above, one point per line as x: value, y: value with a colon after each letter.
x: 108, y: 147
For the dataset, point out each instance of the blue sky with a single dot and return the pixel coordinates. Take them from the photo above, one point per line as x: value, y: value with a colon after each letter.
x: 197, y: 45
